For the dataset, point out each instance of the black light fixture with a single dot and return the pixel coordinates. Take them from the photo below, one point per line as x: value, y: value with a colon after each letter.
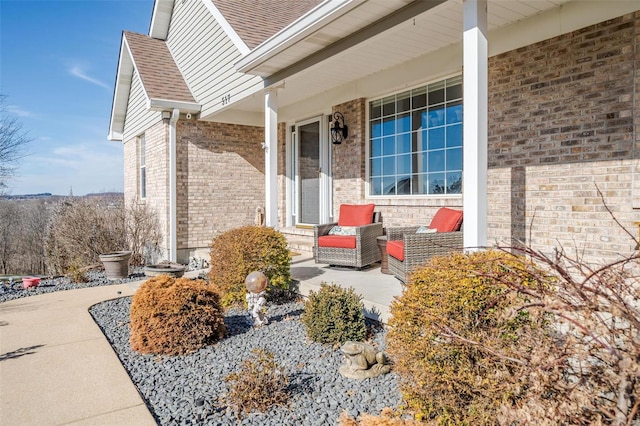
x: 339, y: 130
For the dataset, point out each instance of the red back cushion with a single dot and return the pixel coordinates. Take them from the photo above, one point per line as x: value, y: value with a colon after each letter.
x: 446, y: 220
x: 356, y: 214
x: 396, y: 249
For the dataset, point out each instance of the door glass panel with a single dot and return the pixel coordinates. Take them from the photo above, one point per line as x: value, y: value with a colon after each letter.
x: 309, y: 170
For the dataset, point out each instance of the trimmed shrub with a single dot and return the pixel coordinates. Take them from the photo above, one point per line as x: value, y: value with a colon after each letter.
x: 173, y: 316
x: 240, y: 251
x: 259, y: 384
x: 334, y: 315
x: 458, y: 337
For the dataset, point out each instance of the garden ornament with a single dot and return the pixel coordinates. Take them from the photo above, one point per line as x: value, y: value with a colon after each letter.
x: 362, y: 361
x: 256, y: 283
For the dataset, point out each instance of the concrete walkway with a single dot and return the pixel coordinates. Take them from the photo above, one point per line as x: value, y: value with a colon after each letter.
x: 57, y: 368
x: 377, y: 289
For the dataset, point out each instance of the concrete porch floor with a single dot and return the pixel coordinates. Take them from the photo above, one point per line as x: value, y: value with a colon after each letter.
x: 377, y: 289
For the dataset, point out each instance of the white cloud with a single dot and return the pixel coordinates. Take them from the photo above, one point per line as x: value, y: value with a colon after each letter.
x: 77, y: 71
x: 16, y: 110
x: 84, y: 167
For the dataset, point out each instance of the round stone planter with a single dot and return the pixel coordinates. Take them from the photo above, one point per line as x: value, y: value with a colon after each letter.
x: 116, y: 264
x: 173, y: 270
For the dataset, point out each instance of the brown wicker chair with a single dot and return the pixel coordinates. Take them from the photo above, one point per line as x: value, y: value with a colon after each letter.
x: 366, y: 249
x: 417, y: 249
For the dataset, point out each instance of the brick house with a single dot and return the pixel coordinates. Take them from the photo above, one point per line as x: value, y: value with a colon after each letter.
x: 226, y: 106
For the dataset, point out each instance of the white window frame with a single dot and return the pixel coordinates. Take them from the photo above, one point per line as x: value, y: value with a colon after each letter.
x: 142, y: 170
x: 368, y: 170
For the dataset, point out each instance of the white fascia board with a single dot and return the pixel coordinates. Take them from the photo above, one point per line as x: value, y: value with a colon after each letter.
x: 115, y: 136
x: 313, y: 20
x: 160, y: 19
x: 228, y: 29
x: 165, y: 104
x: 121, y: 92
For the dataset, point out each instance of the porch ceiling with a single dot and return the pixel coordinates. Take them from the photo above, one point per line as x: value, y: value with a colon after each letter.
x: 362, y: 42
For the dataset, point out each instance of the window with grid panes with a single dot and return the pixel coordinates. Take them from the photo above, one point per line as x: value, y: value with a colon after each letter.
x: 415, y: 141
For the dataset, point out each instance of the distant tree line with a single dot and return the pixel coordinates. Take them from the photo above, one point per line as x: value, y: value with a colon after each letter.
x: 23, y: 227
x: 57, y: 236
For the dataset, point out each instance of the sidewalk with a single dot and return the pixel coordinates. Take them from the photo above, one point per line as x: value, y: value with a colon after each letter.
x: 57, y: 368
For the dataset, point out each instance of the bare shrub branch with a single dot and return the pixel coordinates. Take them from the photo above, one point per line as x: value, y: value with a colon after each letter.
x: 13, y: 141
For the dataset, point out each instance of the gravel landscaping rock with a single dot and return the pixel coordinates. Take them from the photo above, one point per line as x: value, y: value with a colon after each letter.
x: 190, y: 389
x: 15, y: 289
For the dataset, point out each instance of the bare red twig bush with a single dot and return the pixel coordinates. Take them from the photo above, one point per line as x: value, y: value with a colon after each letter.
x: 588, y: 371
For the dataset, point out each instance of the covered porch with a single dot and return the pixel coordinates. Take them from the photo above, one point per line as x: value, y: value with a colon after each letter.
x: 376, y: 288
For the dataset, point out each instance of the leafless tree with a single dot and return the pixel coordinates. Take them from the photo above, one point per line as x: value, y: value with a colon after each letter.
x: 9, y: 220
x: 13, y: 141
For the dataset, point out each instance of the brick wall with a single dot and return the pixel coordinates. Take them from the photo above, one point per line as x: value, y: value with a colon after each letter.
x: 282, y: 175
x: 157, y: 173
x: 348, y: 159
x: 157, y: 165
x: 561, y: 121
x: 131, y: 176
x: 220, y: 181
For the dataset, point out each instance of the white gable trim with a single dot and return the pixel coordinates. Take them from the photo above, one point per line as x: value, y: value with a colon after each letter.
x: 167, y: 104
x: 161, y: 18
x: 124, y: 77
x: 228, y: 29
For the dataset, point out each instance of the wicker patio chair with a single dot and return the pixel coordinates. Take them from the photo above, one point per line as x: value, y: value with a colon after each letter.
x: 408, y: 250
x: 357, y: 250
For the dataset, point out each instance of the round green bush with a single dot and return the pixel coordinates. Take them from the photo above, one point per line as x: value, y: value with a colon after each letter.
x: 334, y: 315
x: 240, y: 251
x: 173, y: 316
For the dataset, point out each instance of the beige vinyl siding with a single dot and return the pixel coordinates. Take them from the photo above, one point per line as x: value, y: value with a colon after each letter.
x: 138, y: 118
x: 205, y: 55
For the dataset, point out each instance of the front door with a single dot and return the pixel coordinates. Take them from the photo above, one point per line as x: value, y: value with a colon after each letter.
x: 312, y: 176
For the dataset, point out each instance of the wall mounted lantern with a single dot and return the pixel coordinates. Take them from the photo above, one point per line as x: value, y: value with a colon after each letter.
x: 339, y: 130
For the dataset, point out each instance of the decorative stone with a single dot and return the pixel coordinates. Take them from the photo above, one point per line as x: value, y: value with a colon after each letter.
x: 362, y: 361
x: 256, y: 284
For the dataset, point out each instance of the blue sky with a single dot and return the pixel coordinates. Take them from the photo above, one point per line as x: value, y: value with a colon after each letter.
x: 58, y: 62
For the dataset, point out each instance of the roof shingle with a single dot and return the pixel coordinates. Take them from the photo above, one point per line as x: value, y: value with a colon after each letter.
x: 256, y: 20
x: 158, y: 71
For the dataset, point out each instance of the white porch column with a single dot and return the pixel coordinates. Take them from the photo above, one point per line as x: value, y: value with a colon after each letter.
x: 475, y: 109
x: 271, y: 157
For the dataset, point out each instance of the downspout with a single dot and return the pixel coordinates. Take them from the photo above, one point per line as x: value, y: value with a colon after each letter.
x: 173, y: 211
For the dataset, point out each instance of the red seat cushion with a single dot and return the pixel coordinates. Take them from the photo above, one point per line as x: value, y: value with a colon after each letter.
x: 396, y: 249
x: 356, y: 214
x: 337, y: 241
x: 446, y: 220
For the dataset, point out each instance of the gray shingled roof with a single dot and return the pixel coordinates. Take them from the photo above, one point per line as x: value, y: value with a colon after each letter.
x: 256, y: 20
x: 158, y: 71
